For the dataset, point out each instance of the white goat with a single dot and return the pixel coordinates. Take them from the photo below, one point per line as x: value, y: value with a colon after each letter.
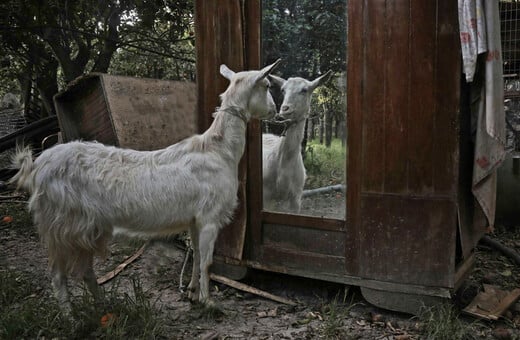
x: 83, y: 192
x: 283, y: 169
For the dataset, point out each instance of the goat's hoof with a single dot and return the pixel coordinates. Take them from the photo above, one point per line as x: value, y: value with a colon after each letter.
x: 208, y: 303
x: 211, y: 310
x: 193, y: 295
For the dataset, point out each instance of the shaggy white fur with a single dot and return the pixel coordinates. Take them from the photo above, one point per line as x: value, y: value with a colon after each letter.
x: 84, y: 192
x: 283, y: 170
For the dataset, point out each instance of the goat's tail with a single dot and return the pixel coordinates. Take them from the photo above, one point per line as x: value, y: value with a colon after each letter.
x: 23, y: 160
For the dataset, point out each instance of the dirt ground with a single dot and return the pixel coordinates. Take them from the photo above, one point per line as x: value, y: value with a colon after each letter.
x: 247, y: 316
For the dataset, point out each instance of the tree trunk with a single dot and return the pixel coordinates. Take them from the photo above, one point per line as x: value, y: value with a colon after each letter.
x: 322, y: 128
x: 47, y: 85
x: 328, y: 128
x: 312, y: 132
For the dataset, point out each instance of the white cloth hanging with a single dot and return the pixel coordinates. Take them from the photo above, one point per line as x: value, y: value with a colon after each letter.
x: 473, y: 38
x: 479, y: 23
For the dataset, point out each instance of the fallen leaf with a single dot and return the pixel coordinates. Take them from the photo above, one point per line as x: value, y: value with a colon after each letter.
x: 107, y: 320
x: 376, y: 317
x: 402, y: 337
x: 506, y: 273
x: 7, y: 219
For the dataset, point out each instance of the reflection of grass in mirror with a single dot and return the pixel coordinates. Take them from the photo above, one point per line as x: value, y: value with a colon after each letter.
x: 324, y: 165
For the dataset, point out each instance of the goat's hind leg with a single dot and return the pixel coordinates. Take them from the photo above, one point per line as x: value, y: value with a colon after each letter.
x: 61, y: 292
x: 194, y: 287
x: 89, y: 277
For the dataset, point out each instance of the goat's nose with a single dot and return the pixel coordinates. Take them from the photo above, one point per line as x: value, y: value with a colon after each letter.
x: 285, y: 108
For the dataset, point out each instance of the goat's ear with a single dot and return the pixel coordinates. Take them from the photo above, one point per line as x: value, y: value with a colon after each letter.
x: 226, y: 72
x: 267, y: 70
x: 321, y: 79
x: 278, y: 81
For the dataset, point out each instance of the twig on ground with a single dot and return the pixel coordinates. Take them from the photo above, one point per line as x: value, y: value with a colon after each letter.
x: 249, y: 289
x: 111, y: 274
x: 9, y: 197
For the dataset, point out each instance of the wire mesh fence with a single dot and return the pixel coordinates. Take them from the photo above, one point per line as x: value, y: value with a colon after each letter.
x: 510, y: 35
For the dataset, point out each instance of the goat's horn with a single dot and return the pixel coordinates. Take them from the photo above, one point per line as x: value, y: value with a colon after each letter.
x: 268, y: 69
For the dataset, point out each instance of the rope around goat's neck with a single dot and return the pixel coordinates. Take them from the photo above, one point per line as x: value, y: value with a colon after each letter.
x: 235, y: 111
x: 287, y: 123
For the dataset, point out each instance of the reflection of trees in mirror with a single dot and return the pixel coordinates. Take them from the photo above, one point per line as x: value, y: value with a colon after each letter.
x: 310, y: 37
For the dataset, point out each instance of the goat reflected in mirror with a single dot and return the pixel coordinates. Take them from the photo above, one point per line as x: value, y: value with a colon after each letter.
x: 283, y: 169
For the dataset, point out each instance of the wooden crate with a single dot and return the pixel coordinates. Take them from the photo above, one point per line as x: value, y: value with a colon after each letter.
x: 136, y: 113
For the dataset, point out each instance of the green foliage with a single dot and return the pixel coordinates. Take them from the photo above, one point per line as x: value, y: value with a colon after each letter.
x: 49, y: 43
x: 325, y: 165
x: 26, y: 314
x: 310, y: 36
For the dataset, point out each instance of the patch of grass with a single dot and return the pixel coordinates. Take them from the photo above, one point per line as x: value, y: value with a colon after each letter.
x: 443, y: 322
x: 25, y: 313
x: 324, y: 166
x: 334, y: 315
x: 126, y: 315
x: 28, y: 315
x: 14, y: 287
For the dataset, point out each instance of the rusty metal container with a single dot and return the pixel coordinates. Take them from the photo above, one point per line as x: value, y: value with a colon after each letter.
x: 136, y: 113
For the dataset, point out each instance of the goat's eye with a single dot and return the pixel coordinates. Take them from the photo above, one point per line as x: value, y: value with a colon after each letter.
x: 304, y: 90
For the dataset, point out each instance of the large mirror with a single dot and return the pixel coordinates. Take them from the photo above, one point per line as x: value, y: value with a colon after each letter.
x: 304, y: 148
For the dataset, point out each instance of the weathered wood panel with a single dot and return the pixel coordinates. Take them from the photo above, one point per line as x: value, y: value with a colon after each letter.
x: 254, y: 188
x: 219, y: 40
x: 219, y: 30
x: 136, y: 113
x: 405, y: 240
x: 374, y: 97
x: 422, y: 70
x: 397, y: 94
x: 355, y: 104
x: 402, y: 221
x: 447, y: 115
x: 310, y: 240
x: 317, y: 264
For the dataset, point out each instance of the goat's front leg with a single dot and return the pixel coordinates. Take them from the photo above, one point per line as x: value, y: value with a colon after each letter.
x: 193, y: 287
x: 208, y: 236
x: 294, y: 205
x: 59, y: 284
